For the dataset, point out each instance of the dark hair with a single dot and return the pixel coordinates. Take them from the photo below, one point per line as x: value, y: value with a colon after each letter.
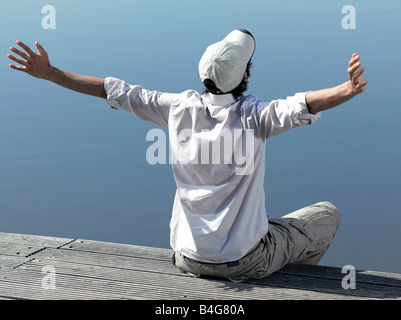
x: 236, y: 92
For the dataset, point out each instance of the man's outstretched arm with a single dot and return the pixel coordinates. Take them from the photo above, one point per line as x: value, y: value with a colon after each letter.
x: 38, y: 66
x: 321, y: 100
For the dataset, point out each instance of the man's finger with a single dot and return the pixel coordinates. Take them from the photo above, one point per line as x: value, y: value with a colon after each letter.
x: 363, y: 84
x: 358, y: 77
x: 26, y: 48
x: 361, y: 71
x: 353, y: 68
x: 40, y: 48
x: 20, y: 53
x: 12, y: 66
x: 20, y: 61
x: 353, y: 60
x: 358, y: 72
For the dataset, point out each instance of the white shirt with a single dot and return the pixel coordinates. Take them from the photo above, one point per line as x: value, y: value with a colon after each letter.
x: 219, y: 208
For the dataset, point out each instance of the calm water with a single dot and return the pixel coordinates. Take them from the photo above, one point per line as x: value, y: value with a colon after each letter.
x: 72, y: 167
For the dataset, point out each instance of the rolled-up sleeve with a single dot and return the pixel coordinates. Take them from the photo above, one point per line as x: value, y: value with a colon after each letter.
x: 151, y: 106
x: 281, y: 115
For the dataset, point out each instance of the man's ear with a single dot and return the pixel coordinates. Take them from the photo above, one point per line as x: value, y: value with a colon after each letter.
x: 246, y: 77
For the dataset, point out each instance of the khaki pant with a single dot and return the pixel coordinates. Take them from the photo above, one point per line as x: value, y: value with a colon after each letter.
x: 294, y: 237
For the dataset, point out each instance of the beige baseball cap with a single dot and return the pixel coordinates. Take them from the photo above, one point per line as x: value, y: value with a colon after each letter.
x: 225, y: 62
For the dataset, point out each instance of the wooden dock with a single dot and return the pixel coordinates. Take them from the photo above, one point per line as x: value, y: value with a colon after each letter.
x: 43, y: 268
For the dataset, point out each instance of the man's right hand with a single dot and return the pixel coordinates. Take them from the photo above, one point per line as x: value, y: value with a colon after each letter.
x: 36, y: 65
x: 324, y: 99
x: 355, y: 73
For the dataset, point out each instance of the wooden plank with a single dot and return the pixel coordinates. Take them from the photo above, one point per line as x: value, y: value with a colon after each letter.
x: 368, y: 283
x: 128, y: 250
x: 11, y: 262
x: 330, y: 285
x: 22, y: 250
x: 392, y: 279
x: 17, y: 284
x: 26, y: 239
x: 106, y: 260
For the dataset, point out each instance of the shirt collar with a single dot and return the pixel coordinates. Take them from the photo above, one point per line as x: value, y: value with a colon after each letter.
x: 218, y: 99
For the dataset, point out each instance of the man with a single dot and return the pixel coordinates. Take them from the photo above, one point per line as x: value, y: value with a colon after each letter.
x: 219, y: 225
